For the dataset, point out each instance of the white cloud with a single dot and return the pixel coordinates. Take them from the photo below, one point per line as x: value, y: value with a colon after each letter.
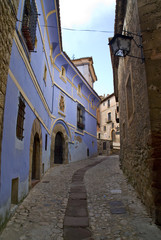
x: 76, y: 13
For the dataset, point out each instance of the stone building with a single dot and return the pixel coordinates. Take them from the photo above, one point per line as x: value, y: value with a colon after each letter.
x: 138, y: 90
x: 108, y: 133
x: 49, y: 114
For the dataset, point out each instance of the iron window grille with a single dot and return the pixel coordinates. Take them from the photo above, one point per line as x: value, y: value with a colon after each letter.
x: 20, y: 119
x: 29, y: 23
x: 80, y: 117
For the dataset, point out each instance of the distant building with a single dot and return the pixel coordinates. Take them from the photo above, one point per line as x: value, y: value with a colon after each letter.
x: 85, y: 66
x: 48, y: 115
x: 108, y: 129
x: 138, y: 89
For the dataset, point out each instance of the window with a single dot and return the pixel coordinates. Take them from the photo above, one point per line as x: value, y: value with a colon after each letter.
x: 103, y: 103
x: 46, y: 142
x: 79, y: 89
x: 87, y: 152
x: 104, y: 145
x: 109, y: 116
x: 104, y: 128
x: 108, y: 102
x: 80, y: 117
x: 35, y: 43
x: 99, y: 135
x: 29, y: 23
x: 117, y: 108
x: 20, y: 118
x: 92, y: 104
x: 129, y: 98
x: 45, y: 73
x: 112, y: 125
x: 63, y: 72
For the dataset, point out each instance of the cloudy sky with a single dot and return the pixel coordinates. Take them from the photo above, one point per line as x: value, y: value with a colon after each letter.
x: 90, y: 15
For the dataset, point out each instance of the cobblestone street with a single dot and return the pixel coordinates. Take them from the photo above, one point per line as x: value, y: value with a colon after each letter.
x: 113, y: 210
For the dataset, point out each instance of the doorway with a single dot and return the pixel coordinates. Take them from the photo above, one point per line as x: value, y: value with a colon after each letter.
x: 36, y: 159
x: 58, y: 152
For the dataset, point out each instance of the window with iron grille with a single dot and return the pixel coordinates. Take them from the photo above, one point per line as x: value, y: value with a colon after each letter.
x: 80, y: 117
x: 29, y: 23
x: 20, y: 119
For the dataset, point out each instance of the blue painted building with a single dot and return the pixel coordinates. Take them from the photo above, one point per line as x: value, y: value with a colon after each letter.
x: 50, y: 108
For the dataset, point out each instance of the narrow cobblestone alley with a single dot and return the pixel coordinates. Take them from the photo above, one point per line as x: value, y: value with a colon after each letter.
x: 107, y: 203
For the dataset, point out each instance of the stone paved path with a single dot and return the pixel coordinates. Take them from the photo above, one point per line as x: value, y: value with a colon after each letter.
x: 111, y: 208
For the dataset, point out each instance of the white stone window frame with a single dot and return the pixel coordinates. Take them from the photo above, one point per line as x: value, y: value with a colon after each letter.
x: 63, y: 74
x: 79, y: 90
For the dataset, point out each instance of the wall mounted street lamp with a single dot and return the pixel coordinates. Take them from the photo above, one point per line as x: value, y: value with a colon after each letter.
x: 121, y: 45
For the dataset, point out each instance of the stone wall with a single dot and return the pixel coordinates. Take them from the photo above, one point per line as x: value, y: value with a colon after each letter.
x: 150, y: 22
x: 7, y: 26
x: 139, y: 93
x: 134, y: 112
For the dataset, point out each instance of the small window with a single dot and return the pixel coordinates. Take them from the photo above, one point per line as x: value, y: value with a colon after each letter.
x: 92, y: 103
x: 87, y: 152
x: 79, y: 89
x: 117, y: 108
x: 108, y: 103
x: 80, y: 117
x: 45, y: 73
x: 103, y: 103
x: 29, y: 23
x: 112, y: 125
x: 104, y: 128
x: 99, y: 135
x: 35, y: 43
x: 63, y: 72
x: 14, y: 191
x: 109, y: 116
x: 46, y: 142
x: 20, y: 118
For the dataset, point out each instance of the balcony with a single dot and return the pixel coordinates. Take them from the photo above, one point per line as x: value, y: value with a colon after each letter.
x: 108, y: 120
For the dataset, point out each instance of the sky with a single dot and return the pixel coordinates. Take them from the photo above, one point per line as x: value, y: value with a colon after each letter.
x: 90, y: 15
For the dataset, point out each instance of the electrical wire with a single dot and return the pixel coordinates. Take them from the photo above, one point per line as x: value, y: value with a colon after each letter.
x: 80, y: 30
x: 67, y: 29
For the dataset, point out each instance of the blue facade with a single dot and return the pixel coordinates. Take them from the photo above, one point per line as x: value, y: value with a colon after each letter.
x: 47, y: 81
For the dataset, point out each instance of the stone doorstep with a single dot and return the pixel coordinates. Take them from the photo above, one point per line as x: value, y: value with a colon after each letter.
x: 76, y: 221
x: 76, y: 233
